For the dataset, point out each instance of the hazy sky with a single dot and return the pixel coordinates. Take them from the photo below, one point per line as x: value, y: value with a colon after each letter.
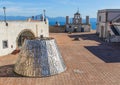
x: 56, y: 8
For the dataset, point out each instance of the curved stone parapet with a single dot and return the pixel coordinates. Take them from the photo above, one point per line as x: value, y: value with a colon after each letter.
x: 39, y: 58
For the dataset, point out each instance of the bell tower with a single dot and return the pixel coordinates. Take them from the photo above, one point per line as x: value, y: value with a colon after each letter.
x: 77, y: 18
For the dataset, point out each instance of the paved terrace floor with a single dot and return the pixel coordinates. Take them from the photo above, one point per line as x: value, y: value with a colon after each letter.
x: 89, y: 61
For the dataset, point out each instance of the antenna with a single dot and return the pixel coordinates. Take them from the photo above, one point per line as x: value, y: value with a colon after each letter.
x: 4, y: 9
x: 44, y: 13
x: 78, y: 10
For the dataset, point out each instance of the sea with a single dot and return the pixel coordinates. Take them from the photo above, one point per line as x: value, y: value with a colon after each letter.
x: 93, y: 24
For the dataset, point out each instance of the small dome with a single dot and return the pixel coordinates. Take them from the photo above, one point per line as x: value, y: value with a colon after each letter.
x: 77, y: 13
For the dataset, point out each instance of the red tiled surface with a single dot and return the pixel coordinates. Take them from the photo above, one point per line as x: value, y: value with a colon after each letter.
x: 84, y: 67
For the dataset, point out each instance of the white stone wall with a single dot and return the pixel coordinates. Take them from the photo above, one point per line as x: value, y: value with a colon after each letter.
x: 102, y: 33
x: 112, y: 15
x: 103, y: 17
x: 13, y: 30
x: 100, y: 23
x: 79, y: 29
x: 87, y: 28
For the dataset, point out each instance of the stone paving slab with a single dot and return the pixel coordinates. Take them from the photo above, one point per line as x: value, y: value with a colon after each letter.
x: 84, y: 66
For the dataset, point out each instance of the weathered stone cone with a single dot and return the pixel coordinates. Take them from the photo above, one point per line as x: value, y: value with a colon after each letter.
x: 39, y: 58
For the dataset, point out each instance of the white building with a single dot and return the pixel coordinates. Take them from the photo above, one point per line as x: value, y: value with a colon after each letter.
x: 77, y: 25
x: 108, y: 24
x: 13, y: 33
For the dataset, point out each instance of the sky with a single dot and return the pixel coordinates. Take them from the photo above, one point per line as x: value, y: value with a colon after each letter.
x: 56, y: 8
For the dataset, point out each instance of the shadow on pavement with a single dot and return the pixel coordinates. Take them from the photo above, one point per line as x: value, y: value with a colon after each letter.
x: 7, y: 71
x: 107, y: 53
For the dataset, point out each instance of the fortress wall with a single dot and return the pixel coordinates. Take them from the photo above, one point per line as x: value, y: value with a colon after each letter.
x: 87, y: 28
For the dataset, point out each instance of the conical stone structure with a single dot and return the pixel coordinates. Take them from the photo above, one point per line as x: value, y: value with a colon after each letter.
x: 39, y: 58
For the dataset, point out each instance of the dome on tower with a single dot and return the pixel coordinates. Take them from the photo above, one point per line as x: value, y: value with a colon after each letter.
x: 77, y: 13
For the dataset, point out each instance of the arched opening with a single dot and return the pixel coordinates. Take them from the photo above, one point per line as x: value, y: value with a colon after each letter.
x: 25, y: 34
x: 82, y: 29
x: 102, y: 31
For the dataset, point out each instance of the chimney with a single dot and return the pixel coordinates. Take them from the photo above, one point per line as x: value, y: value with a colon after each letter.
x: 44, y: 15
x: 67, y: 20
x: 87, y: 20
x: 39, y: 57
x: 36, y: 17
x: 32, y: 17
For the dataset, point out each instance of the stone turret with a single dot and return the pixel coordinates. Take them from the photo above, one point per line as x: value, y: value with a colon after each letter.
x: 87, y: 20
x: 76, y: 25
x: 67, y: 20
x: 76, y: 19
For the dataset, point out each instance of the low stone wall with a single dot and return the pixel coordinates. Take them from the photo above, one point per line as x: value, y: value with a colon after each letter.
x: 57, y: 29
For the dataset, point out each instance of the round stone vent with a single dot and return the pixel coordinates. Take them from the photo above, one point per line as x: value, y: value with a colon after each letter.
x: 39, y: 57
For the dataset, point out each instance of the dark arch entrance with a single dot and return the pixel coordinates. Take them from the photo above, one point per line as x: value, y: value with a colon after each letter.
x: 26, y: 34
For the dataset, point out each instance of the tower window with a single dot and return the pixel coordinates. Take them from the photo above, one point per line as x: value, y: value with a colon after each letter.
x: 99, y: 18
x: 5, y: 43
x: 41, y: 36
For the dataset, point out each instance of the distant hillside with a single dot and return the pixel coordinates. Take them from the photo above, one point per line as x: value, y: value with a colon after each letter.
x: 14, y: 17
x: 52, y: 20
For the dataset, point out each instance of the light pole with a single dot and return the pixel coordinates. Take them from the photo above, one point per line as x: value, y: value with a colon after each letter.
x: 44, y: 13
x: 44, y: 16
x: 4, y: 8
